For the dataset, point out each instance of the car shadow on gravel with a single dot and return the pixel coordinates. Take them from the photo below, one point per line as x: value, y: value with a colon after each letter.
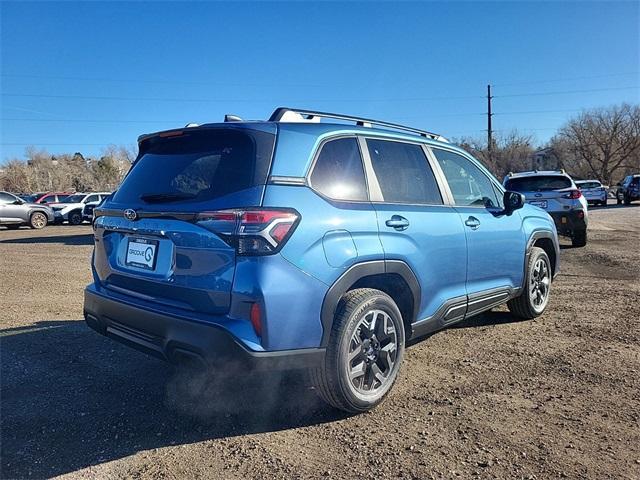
x: 72, y: 399
x: 488, y: 318
x: 84, y: 239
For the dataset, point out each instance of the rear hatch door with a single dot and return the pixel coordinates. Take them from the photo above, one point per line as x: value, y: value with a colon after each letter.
x: 544, y: 191
x: 148, y: 240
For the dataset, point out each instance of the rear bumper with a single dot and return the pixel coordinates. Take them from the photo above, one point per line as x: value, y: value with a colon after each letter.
x: 569, y: 222
x: 177, y: 339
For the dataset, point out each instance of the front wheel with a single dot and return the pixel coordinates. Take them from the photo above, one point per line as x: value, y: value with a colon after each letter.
x: 535, y: 295
x: 38, y: 220
x: 365, y: 351
x: 75, y: 218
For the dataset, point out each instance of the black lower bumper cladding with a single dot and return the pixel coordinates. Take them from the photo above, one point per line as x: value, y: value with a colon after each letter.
x: 180, y: 340
x: 569, y: 222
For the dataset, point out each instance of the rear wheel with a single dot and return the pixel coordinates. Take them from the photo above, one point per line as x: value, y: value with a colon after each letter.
x: 364, y: 354
x: 38, y: 220
x: 75, y: 218
x: 579, y: 239
x: 535, y: 296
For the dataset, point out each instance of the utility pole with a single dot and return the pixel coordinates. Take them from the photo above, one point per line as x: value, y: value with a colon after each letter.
x: 489, y: 115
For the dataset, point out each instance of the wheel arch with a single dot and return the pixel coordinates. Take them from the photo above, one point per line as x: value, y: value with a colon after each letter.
x: 394, y: 277
x: 549, y: 243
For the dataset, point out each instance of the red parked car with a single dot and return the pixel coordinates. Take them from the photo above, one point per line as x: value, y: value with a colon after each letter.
x: 47, y: 197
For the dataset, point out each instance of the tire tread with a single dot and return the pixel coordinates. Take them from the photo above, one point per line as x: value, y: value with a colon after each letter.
x: 326, y: 384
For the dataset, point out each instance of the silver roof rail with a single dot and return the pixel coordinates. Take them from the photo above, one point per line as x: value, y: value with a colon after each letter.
x: 284, y: 114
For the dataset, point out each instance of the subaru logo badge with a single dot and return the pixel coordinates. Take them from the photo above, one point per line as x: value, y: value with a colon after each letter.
x: 130, y: 214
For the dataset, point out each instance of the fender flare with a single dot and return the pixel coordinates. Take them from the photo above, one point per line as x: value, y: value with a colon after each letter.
x: 356, y: 272
x: 533, y: 238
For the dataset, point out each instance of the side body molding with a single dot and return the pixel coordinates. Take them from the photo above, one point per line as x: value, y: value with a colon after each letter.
x: 357, y: 272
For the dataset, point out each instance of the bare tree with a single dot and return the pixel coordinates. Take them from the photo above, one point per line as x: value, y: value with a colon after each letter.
x: 511, y: 152
x: 602, y: 143
x: 42, y: 171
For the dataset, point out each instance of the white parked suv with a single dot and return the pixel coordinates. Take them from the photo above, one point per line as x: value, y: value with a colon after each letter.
x: 70, y: 209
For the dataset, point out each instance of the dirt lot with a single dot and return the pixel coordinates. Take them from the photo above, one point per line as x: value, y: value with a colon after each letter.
x: 493, y: 398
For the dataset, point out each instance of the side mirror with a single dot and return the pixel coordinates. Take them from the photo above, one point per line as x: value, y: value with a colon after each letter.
x: 513, y: 201
x: 17, y: 201
x: 618, y: 184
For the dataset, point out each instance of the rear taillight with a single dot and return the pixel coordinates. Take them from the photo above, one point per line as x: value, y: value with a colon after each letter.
x: 573, y: 194
x: 252, y: 231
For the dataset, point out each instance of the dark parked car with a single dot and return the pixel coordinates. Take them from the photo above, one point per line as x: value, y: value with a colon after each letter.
x: 15, y: 212
x: 629, y: 189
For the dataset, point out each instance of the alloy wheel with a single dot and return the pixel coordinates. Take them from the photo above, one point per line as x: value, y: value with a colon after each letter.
x: 539, y: 284
x: 373, y: 351
x: 38, y: 220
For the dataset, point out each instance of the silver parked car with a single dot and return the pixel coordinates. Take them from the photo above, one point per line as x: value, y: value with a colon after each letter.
x: 14, y: 212
x: 593, y: 191
x: 555, y: 192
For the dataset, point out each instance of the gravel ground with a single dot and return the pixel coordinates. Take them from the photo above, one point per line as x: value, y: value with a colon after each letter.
x: 492, y: 398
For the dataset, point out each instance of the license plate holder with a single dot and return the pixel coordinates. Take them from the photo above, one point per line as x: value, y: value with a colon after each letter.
x: 141, y: 253
x: 539, y: 203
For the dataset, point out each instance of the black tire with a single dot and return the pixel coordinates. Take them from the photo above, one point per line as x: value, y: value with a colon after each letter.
x: 627, y: 200
x: 579, y: 239
x: 354, y: 339
x: 618, y: 200
x: 38, y: 220
x: 75, y: 218
x: 525, y: 305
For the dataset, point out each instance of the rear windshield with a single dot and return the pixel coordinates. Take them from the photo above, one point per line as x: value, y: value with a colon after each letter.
x: 582, y: 185
x: 198, y: 165
x: 538, y: 183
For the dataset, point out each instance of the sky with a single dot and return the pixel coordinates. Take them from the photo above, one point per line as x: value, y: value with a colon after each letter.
x: 81, y: 76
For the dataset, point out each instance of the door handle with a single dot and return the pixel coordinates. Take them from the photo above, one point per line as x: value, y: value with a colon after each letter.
x: 472, y: 222
x: 398, y: 222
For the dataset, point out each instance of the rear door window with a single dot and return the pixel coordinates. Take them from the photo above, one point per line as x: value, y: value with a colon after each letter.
x: 403, y: 173
x: 198, y: 165
x: 338, y: 172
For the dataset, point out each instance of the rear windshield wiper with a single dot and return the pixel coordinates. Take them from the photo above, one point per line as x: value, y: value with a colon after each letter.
x: 165, y: 197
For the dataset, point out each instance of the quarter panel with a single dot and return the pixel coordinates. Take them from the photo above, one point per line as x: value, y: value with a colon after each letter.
x: 319, y: 217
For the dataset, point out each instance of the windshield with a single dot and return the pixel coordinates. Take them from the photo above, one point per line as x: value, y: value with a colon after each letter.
x: 30, y: 198
x: 198, y: 165
x: 538, y: 184
x: 73, y: 199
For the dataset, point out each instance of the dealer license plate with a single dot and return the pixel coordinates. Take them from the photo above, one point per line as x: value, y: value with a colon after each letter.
x: 141, y: 253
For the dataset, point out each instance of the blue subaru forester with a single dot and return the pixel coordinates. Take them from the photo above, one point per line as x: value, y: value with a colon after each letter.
x: 300, y: 243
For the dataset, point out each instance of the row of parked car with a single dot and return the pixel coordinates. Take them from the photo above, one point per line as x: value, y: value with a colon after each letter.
x: 41, y: 209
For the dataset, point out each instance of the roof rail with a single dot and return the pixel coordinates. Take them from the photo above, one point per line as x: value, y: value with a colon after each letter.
x: 281, y: 113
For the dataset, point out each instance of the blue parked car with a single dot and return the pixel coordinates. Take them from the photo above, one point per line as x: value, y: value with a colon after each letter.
x: 296, y: 243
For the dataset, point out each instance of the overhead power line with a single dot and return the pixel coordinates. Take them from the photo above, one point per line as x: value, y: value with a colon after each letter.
x: 159, y: 82
x: 220, y: 100
x: 567, y: 92
x: 566, y: 79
